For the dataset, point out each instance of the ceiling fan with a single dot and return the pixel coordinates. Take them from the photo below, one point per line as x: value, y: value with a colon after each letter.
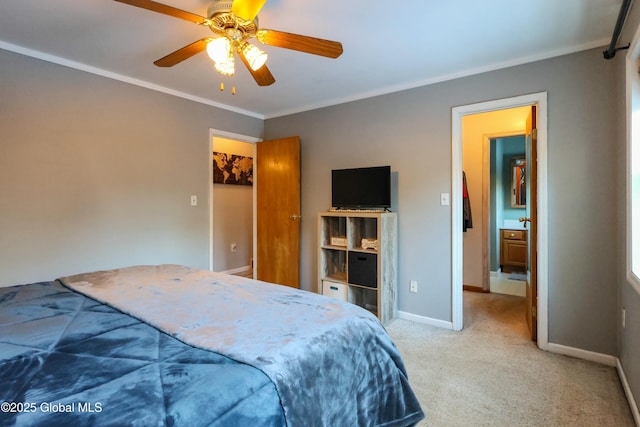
x: 234, y: 24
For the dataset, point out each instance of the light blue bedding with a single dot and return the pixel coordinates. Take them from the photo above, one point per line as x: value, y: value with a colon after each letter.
x: 67, y: 360
x: 332, y: 362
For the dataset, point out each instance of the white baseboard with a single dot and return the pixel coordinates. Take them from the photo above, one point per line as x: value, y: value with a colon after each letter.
x: 236, y: 270
x: 627, y: 391
x: 426, y: 320
x: 578, y: 353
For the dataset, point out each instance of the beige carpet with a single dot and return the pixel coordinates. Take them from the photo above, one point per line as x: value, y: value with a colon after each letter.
x: 491, y: 374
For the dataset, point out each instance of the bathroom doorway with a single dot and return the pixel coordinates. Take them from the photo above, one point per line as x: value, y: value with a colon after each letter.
x: 507, y: 239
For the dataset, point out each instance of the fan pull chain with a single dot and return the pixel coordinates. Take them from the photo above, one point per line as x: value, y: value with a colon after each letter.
x: 233, y: 83
x: 233, y: 87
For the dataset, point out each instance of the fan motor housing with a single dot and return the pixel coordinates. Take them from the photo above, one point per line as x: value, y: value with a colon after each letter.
x: 219, y: 6
x: 222, y: 19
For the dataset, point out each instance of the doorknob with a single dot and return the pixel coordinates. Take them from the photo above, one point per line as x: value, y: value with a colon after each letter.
x: 525, y: 221
x: 294, y: 217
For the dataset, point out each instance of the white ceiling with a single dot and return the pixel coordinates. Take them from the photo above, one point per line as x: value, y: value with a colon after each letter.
x: 388, y: 46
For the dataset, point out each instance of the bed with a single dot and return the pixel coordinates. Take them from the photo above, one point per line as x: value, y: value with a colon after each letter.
x: 170, y: 345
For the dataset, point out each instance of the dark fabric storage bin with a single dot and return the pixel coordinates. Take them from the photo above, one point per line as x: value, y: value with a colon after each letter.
x: 363, y: 269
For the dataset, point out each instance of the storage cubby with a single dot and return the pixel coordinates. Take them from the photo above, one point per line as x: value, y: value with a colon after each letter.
x: 334, y: 264
x: 335, y: 228
x: 362, y: 228
x: 368, y: 272
x: 367, y: 298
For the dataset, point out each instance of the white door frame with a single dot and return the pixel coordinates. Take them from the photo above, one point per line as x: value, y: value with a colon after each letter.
x: 539, y: 99
x: 236, y: 137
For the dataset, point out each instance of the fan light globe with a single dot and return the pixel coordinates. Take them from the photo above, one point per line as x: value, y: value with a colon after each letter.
x: 255, y: 57
x: 218, y: 49
x: 226, y: 66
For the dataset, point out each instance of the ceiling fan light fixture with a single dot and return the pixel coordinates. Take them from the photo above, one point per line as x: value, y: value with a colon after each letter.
x: 255, y: 56
x: 226, y: 66
x: 219, y: 49
x: 234, y: 22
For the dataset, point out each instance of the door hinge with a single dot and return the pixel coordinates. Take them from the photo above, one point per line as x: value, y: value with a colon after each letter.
x: 534, y: 133
x: 534, y: 312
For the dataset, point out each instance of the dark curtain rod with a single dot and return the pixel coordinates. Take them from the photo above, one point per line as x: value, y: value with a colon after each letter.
x: 624, y: 11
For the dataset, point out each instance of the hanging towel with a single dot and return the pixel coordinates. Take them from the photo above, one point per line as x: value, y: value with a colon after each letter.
x: 466, y: 205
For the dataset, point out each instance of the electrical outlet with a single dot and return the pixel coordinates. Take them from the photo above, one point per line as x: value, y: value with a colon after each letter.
x: 413, y: 286
x: 624, y: 317
x: 234, y: 246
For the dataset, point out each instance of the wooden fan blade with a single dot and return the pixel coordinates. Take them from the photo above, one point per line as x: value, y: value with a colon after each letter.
x: 167, y: 10
x: 183, y: 53
x: 306, y: 44
x: 247, y: 9
x: 262, y: 75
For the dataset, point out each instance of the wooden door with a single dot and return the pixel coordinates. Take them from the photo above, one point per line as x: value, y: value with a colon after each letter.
x: 532, y: 218
x: 278, y: 211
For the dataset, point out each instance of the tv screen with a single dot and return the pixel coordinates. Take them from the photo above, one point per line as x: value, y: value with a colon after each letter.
x: 361, y: 188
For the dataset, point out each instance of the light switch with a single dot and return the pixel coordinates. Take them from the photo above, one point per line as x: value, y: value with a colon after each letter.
x: 194, y: 200
x: 444, y: 199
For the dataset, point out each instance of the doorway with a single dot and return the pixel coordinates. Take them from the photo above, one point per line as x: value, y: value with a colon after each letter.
x: 232, y: 243
x: 483, y: 138
x: 458, y: 113
x: 504, y: 208
x: 276, y: 227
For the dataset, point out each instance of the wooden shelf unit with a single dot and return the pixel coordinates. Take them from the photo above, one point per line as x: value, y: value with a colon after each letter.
x: 365, y: 277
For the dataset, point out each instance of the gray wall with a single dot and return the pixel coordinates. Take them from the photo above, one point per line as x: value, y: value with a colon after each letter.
x: 628, y: 337
x: 96, y: 173
x: 411, y: 131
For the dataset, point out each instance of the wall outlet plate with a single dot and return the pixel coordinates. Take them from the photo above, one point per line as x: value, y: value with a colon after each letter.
x: 413, y: 286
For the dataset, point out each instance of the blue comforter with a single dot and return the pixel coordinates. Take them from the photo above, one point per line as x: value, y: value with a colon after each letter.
x: 67, y: 360
x: 331, y: 363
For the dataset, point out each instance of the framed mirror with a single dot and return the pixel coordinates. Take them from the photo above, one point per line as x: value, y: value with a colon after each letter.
x: 518, y: 182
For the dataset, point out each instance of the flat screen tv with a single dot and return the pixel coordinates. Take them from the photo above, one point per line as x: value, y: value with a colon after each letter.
x: 361, y: 188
